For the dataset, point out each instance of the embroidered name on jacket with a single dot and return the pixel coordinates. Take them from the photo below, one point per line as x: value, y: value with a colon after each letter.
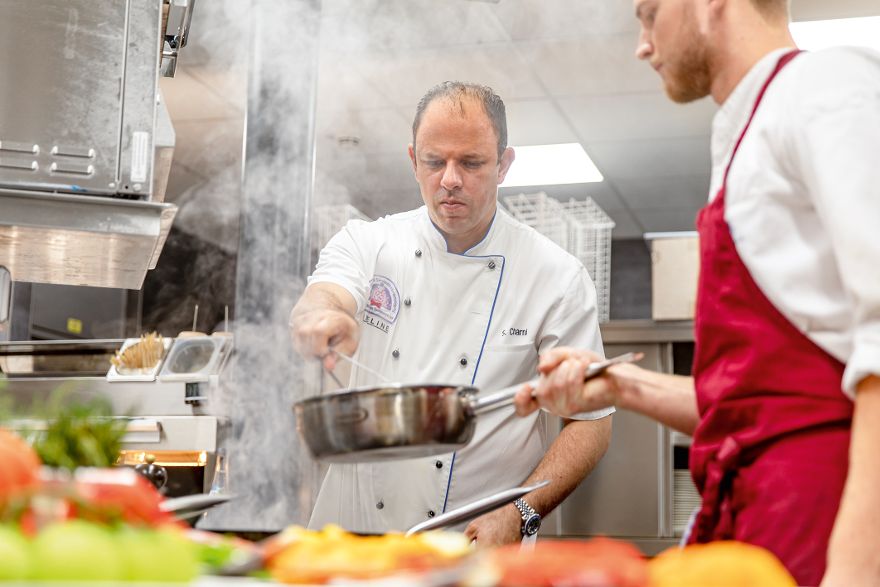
x: 515, y: 332
x: 384, y: 303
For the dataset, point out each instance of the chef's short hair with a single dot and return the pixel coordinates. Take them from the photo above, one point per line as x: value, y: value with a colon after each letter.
x: 456, y: 92
x: 776, y: 9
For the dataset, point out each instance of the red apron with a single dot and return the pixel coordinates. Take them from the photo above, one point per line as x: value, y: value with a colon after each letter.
x: 770, y: 453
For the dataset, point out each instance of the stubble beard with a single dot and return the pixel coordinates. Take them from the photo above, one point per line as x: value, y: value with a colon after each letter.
x: 690, y: 79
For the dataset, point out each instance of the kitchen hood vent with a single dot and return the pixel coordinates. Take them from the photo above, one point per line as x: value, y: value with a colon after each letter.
x: 81, y: 240
x: 85, y: 140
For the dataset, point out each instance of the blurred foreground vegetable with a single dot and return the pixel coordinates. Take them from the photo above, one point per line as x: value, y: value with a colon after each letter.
x: 600, y: 562
x: 719, y: 564
x: 19, y: 467
x: 82, y: 434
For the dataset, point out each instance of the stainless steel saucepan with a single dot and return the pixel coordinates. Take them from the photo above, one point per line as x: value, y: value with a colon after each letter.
x: 397, y: 421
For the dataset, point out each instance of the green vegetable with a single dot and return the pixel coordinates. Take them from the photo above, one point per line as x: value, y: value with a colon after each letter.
x: 80, y: 434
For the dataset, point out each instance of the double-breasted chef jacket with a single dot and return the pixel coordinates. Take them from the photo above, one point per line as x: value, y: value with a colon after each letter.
x: 480, y: 318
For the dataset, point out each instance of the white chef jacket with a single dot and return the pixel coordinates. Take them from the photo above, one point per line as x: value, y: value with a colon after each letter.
x: 479, y: 318
x: 803, y: 196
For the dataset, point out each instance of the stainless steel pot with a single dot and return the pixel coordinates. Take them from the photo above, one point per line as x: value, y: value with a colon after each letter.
x: 397, y: 421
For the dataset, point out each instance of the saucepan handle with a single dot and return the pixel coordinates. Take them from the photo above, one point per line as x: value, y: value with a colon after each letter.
x: 503, y: 398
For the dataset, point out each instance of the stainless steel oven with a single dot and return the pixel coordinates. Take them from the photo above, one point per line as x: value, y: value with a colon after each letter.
x: 169, y: 422
x: 641, y: 490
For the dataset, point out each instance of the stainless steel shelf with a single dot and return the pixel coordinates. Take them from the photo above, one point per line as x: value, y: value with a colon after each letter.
x: 81, y: 240
x: 647, y: 331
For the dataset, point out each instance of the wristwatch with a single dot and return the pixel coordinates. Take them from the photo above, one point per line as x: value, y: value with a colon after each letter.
x: 531, y: 520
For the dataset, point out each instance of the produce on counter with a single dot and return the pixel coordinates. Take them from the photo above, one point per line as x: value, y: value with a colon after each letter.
x: 15, y: 554
x: 19, y: 467
x: 719, y: 564
x: 299, y: 555
x: 78, y: 550
x: 80, y: 434
x: 90, y: 524
x: 600, y: 562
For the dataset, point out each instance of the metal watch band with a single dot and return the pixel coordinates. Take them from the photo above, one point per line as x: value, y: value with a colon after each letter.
x: 524, y: 508
x: 531, y: 520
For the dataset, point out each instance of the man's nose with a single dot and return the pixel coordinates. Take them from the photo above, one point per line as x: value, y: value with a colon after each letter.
x: 451, y: 177
x: 644, y: 49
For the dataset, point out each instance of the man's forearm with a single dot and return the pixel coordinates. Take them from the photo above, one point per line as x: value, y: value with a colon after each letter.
x: 324, y: 296
x: 852, y: 556
x: 669, y: 399
x: 575, y: 452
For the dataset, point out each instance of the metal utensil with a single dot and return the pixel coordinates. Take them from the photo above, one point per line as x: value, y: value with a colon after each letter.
x: 253, y: 561
x: 397, y: 421
x: 190, y: 506
x: 359, y: 365
x: 473, y: 510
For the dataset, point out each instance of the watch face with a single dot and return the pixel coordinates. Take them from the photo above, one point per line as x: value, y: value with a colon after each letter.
x: 531, y: 525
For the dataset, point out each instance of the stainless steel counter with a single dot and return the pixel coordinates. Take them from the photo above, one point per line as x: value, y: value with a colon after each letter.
x: 634, y: 493
x: 647, y: 331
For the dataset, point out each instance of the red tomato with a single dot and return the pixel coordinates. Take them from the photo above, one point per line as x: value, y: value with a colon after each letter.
x: 114, y: 494
x: 600, y: 562
x: 19, y: 466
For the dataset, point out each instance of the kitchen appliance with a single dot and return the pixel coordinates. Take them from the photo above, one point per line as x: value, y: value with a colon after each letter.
x: 169, y: 422
x: 85, y: 138
x: 396, y: 421
x: 641, y: 490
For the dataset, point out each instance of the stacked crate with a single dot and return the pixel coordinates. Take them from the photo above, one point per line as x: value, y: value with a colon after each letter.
x: 580, y: 227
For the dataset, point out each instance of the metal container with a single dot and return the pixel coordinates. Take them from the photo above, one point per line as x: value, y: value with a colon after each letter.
x: 398, y: 421
x: 393, y: 422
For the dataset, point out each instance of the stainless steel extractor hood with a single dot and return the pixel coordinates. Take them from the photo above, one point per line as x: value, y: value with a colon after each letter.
x: 85, y: 143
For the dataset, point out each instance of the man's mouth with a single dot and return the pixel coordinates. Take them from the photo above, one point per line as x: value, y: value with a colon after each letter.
x: 449, y: 204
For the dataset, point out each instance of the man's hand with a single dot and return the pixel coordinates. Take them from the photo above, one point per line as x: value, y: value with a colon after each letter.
x: 323, y: 321
x: 316, y: 331
x: 502, y: 526
x: 562, y: 390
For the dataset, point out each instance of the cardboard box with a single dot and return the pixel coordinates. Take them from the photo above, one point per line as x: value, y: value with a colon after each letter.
x: 675, y: 265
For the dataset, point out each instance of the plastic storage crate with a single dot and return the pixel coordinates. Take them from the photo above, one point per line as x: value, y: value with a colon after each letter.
x: 580, y: 227
x: 541, y: 212
x: 589, y: 239
x: 331, y: 219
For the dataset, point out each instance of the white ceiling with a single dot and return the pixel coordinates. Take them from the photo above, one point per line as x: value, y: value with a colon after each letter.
x: 565, y: 69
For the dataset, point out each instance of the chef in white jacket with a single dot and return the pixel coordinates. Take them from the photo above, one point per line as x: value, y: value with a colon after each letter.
x: 456, y: 292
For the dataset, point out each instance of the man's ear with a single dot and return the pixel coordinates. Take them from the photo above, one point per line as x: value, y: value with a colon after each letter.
x: 507, y: 158
x: 412, y: 156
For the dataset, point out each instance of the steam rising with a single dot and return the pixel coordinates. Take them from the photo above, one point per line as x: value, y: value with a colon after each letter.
x: 320, y: 75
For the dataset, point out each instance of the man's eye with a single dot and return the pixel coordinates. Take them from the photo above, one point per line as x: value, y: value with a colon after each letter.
x: 433, y: 163
x: 473, y: 164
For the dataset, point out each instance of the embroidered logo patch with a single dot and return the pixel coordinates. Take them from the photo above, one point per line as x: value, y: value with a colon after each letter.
x: 384, y: 303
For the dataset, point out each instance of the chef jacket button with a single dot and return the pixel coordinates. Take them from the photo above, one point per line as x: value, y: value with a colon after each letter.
x: 491, y: 264
x: 395, y: 353
x: 418, y: 252
x: 438, y: 464
x: 431, y: 513
x: 463, y: 361
x: 407, y: 301
x: 380, y: 505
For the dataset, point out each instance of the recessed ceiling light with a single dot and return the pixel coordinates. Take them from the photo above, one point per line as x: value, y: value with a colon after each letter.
x: 821, y: 34
x: 551, y: 165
